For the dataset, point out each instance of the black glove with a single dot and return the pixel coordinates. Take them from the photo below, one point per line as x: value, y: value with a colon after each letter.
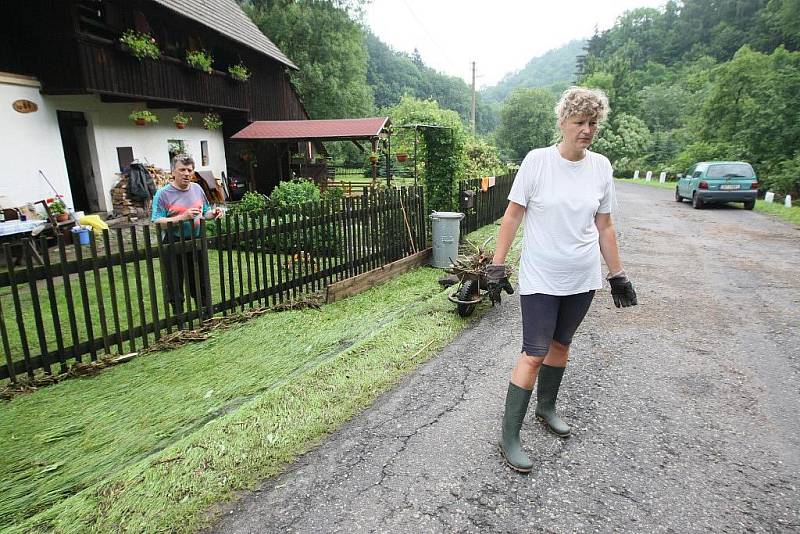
x: 622, y: 291
x: 497, y: 280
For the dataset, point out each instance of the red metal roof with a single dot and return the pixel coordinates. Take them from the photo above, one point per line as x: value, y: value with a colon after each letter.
x: 331, y: 129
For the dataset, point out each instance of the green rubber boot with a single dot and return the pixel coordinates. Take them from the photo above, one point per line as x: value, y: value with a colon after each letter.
x: 548, y: 383
x: 517, y: 400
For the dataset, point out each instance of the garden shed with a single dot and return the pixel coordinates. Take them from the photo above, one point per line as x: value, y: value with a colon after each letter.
x: 299, y: 142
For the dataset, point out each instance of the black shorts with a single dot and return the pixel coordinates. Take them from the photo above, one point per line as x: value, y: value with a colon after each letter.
x: 547, y: 318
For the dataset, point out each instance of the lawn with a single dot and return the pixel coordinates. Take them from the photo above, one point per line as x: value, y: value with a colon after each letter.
x: 153, y: 444
x: 141, y: 310
x: 777, y: 209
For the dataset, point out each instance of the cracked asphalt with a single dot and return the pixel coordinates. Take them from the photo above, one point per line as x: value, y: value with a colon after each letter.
x: 685, y: 409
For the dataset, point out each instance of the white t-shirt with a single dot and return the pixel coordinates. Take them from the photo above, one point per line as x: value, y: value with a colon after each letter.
x: 560, y: 247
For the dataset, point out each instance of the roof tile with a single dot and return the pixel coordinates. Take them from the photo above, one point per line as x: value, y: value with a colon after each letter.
x: 226, y: 17
x: 314, y: 129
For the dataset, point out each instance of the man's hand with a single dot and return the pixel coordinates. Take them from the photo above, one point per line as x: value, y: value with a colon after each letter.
x: 191, y: 213
x: 497, y: 280
x: 622, y: 290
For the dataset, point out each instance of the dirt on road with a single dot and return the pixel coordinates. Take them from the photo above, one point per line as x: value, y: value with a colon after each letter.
x: 685, y: 409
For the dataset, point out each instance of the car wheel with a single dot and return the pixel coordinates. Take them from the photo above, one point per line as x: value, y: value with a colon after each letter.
x: 749, y: 204
x: 697, y: 202
x: 678, y: 197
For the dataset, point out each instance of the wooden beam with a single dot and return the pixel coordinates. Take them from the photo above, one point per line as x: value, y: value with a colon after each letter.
x: 362, y: 282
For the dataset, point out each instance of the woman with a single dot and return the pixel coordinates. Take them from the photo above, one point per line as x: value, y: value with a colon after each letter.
x: 564, y: 193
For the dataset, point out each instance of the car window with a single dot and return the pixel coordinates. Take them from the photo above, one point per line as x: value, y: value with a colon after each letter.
x: 730, y: 170
x: 697, y: 174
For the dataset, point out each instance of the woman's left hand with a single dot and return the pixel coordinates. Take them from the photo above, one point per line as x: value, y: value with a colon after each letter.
x: 622, y: 291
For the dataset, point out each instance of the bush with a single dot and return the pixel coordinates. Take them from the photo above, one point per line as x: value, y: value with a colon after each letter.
x: 250, y: 203
x: 294, y: 193
x: 783, y: 178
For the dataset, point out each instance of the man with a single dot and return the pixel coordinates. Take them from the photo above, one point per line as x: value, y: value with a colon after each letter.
x: 183, y: 202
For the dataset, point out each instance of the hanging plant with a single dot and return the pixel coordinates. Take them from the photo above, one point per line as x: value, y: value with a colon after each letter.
x: 143, y: 117
x: 212, y: 121
x: 239, y: 72
x: 181, y: 120
x: 200, y: 60
x: 140, y: 45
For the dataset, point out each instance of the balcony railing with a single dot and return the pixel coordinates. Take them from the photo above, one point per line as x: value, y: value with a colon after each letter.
x: 110, y: 71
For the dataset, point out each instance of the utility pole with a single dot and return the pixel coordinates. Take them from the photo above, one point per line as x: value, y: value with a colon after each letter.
x: 473, y: 98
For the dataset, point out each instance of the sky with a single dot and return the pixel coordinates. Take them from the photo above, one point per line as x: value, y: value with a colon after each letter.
x: 501, y: 36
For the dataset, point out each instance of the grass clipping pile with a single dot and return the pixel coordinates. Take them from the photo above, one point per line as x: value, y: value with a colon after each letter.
x: 168, y: 342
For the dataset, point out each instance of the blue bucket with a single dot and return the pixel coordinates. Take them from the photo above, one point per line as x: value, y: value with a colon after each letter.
x: 82, y: 234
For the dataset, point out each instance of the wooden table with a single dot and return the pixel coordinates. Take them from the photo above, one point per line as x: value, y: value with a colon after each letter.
x: 15, y: 232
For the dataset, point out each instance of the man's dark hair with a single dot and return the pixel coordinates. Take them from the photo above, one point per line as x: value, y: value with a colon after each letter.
x: 183, y: 159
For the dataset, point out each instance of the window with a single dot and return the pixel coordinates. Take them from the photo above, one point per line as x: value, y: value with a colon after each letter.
x: 204, y: 153
x: 176, y: 146
x: 124, y: 157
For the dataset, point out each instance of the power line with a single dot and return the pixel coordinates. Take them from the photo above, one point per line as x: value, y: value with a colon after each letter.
x: 425, y: 29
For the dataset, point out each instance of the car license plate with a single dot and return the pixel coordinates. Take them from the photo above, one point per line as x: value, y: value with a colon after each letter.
x: 729, y: 187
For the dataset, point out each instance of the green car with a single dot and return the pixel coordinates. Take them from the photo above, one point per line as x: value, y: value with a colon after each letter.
x: 718, y: 181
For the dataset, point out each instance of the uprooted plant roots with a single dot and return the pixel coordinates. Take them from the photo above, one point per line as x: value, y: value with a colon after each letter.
x: 472, y: 261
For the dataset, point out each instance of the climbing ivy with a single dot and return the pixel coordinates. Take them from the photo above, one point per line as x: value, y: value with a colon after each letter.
x: 444, y: 148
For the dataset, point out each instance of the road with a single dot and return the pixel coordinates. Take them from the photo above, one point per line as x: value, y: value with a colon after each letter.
x: 685, y: 409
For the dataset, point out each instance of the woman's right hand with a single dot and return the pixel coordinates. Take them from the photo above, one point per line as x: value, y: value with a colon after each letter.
x: 497, y: 280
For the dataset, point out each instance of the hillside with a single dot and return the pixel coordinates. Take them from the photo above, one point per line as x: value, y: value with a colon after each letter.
x: 555, y: 67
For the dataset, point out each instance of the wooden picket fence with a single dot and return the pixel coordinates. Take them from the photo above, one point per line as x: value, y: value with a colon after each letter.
x: 113, y: 297
x: 489, y: 202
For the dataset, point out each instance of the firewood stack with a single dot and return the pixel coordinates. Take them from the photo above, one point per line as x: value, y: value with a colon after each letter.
x: 124, y: 206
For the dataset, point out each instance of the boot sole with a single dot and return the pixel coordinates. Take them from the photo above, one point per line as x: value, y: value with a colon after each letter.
x: 512, y: 466
x: 550, y: 428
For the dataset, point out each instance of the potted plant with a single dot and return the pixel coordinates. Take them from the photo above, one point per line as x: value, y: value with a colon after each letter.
x: 139, y: 45
x: 212, y: 121
x: 59, y: 209
x: 181, y: 120
x: 401, y: 156
x: 200, y: 60
x: 143, y: 117
x: 239, y: 72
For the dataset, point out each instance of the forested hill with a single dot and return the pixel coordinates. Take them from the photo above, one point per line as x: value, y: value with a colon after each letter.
x: 556, y: 68
x: 700, y: 81
x: 391, y: 74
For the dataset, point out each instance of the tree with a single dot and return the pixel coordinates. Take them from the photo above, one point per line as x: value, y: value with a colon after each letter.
x: 623, y: 139
x: 752, y: 104
x: 482, y: 159
x: 327, y: 45
x: 527, y: 121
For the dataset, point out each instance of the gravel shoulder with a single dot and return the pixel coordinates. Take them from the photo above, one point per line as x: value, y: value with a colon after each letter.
x: 685, y: 409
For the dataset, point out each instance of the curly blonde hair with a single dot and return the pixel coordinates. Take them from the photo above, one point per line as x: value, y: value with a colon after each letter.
x: 582, y: 101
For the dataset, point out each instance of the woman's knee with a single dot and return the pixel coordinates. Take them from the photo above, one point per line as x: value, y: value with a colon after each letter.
x: 530, y: 362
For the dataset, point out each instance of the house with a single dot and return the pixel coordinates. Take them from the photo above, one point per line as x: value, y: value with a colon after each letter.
x: 68, y: 86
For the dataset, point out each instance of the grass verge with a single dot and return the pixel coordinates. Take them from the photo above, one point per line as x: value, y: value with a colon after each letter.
x: 791, y: 215
x: 154, y: 444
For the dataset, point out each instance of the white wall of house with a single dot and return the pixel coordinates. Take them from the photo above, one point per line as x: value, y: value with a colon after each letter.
x: 110, y: 128
x: 32, y: 141
x: 29, y: 142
